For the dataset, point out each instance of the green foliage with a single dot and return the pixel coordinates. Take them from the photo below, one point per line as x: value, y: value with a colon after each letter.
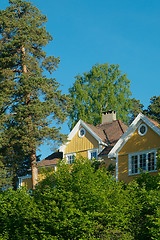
x: 19, y: 216
x: 77, y: 202
x: 153, y: 110
x: 158, y: 159
x: 136, y: 108
x: 29, y: 101
x: 103, y: 88
x: 148, y: 181
x: 5, y: 177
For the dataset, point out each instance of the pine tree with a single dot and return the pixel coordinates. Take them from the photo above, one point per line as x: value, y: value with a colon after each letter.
x: 153, y: 110
x: 28, y: 99
x: 136, y: 108
x: 5, y: 177
x: 103, y: 88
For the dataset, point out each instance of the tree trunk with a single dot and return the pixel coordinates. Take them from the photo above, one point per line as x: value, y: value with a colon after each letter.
x: 33, y: 158
x: 34, y: 168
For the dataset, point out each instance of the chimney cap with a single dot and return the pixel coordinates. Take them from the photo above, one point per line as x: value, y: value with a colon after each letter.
x: 108, y: 116
x: 108, y: 111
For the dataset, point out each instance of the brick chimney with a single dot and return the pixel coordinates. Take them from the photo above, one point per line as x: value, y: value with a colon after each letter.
x: 108, y: 117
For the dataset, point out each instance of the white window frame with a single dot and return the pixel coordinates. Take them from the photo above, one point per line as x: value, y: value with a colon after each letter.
x: 139, y: 129
x: 138, y: 155
x: 79, y: 132
x: 92, y: 151
x: 68, y: 155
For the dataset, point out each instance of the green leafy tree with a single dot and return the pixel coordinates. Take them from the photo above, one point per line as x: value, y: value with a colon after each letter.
x: 29, y: 101
x: 104, y: 87
x: 90, y: 204
x: 78, y: 202
x: 19, y: 216
x: 153, y: 110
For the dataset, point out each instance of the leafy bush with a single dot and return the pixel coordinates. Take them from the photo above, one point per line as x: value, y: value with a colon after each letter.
x: 77, y: 202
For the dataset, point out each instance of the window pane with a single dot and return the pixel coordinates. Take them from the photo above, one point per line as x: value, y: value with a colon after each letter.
x: 151, y: 165
x: 70, y: 159
x: 134, y: 164
x: 94, y: 155
x: 143, y: 161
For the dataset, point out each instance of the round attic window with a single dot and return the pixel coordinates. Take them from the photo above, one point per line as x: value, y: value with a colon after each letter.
x: 82, y: 132
x: 142, y: 129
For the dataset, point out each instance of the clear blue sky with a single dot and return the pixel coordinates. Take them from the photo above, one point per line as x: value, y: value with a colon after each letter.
x: 87, y: 32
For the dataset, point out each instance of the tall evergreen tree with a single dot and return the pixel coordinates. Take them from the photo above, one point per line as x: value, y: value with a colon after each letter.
x: 103, y: 88
x: 5, y: 177
x: 136, y: 108
x: 153, y: 109
x: 28, y: 98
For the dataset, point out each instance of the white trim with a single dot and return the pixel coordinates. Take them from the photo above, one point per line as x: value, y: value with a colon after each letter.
x: 26, y: 176
x: 117, y: 167
x: 75, y: 130
x: 138, y: 154
x: 126, y: 136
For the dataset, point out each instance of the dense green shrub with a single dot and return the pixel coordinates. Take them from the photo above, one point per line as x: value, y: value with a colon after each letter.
x: 78, y: 202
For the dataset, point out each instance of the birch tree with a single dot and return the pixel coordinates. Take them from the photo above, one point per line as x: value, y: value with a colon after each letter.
x: 103, y: 88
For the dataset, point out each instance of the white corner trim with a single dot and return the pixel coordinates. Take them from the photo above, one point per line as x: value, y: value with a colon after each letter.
x: 131, y: 129
x: 75, y: 130
x: 117, y: 167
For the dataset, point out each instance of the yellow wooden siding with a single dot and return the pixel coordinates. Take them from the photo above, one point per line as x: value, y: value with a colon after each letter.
x: 27, y: 183
x: 81, y: 145
x: 83, y: 154
x: 108, y: 161
x: 136, y: 143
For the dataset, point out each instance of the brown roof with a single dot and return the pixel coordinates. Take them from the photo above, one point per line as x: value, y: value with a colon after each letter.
x: 114, y: 130
x: 109, y: 133
x: 98, y: 131
x: 51, y: 159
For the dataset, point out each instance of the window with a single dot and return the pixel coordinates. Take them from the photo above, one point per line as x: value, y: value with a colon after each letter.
x: 142, y: 130
x: 143, y: 161
x: 81, y: 132
x: 70, y: 158
x: 93, y: 154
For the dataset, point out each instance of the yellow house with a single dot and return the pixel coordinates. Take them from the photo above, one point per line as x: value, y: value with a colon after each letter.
x: 88, y: 141
x: 50, y: 161
x: 131, y: 149
x: 136, y: 150
x: 84, y: 140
